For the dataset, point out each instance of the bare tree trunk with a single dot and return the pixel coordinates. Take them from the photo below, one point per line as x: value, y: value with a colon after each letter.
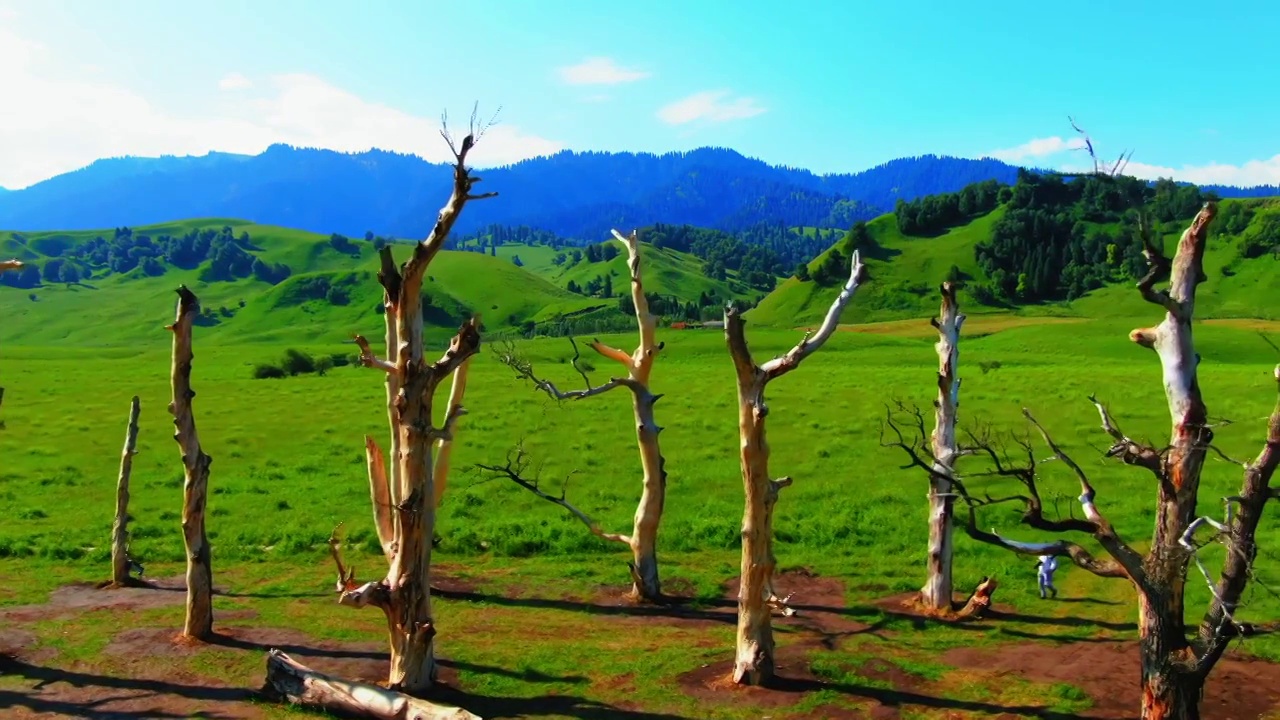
x: 303, y: 686
x: 937, y: 592
x: 1166, y: 691
x: 199, y: 618
x: 119, y: 530
x: 754, y: 664
x: 403, y: 491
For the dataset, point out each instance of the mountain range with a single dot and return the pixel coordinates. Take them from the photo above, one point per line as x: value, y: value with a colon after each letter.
x: 577, y: 195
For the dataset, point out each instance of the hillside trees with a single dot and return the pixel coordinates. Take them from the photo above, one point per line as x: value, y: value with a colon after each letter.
x: 1175, y: 664
x: 754, y: 663
x: 198, y: 623
x: 638, y: 365
x: 403, y: 489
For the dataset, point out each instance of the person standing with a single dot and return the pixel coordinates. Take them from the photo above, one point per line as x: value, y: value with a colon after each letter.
x: 1045, y: 567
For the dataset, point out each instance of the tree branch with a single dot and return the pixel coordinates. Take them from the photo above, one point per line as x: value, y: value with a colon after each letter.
x: 369, y: 360
x: 645, y: 321
x: 444, y: 446
x: 781, y: 366
x: 1129, y: 451
x: 380, y: 496
x: 464, y: 344
x: 463, y: 183
x: 1103, y: 532
x: 514, y: 470
x: 523, y: 367
x: 1238, y: 534
x: 346, y: 575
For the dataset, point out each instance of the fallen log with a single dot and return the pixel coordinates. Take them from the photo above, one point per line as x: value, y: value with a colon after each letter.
x: 298, y: 684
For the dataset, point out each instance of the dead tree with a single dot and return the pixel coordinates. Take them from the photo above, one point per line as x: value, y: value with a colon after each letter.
x: 756, y: 597
x: 643, y: 539
x: 936, y: 594
x: 296, y: 683
x: 198, y: 624
x: 120, y: 561
x: 1175, y: 664
x: 403, y: 491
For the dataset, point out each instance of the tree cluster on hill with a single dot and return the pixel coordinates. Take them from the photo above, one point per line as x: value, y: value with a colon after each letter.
x: 494, y: 236
x: 934, y: 214
x: 228, y: 255
x: 1057, y: 241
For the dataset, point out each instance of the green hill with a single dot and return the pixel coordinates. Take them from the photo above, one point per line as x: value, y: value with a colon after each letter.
x: 330, y: 291
x: 1242, y: 264
x: 667, y: 272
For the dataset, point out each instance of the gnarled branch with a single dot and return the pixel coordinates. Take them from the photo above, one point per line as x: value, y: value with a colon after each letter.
x: 516, y: 469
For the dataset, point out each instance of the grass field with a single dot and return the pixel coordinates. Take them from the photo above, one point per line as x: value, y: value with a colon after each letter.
x: 530, y: 622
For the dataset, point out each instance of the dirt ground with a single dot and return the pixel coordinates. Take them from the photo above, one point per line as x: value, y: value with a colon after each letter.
x: 143, y: 685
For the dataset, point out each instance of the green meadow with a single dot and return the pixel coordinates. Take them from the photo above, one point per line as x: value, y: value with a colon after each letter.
x: 536, y: 629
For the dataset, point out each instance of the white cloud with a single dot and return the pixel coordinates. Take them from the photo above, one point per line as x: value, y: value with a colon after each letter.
x: 712, y: 106
x: 600, y: 71
x: 69, y: 121
x: 235, y: 81
x: 1036, y: 148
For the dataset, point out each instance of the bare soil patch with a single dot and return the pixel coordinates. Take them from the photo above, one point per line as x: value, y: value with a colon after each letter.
x: 86, y: 597
x: 1238, y: 689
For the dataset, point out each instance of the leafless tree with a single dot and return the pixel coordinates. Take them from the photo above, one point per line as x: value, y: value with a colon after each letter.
x: 1175, y: 660
x: 198, y: 624
x: 643, y: 539
x: 756, y: 598
x: 404, y: 489
x: 120, y: 561
x: 938, y: 457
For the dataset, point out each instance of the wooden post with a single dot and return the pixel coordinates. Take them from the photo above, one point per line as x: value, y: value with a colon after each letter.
x: 119, y: 530
x: 195, y: 463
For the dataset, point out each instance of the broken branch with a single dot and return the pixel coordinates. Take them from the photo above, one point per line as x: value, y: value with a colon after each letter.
x: 300, y: 685
x: 514, y: 470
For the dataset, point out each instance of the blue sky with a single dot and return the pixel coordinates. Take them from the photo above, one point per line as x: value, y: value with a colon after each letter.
x: 832, y: 86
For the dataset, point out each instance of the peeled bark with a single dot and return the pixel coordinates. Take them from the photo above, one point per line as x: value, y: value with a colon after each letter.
x: 303, y: 686
x: 937, y: 591
x: 403, y: 489
x: 120, y: 530
x: 199, y: 617
x: 754, y: 664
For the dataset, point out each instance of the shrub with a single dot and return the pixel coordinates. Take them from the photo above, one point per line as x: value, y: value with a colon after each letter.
x: 265, y: 371
x: 297, y: 362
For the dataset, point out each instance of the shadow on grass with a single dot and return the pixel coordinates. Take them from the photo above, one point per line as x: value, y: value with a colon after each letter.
x: 674, y: 607
x: 900, y: 698
x: 135, y: 689
x: 567, y: 706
